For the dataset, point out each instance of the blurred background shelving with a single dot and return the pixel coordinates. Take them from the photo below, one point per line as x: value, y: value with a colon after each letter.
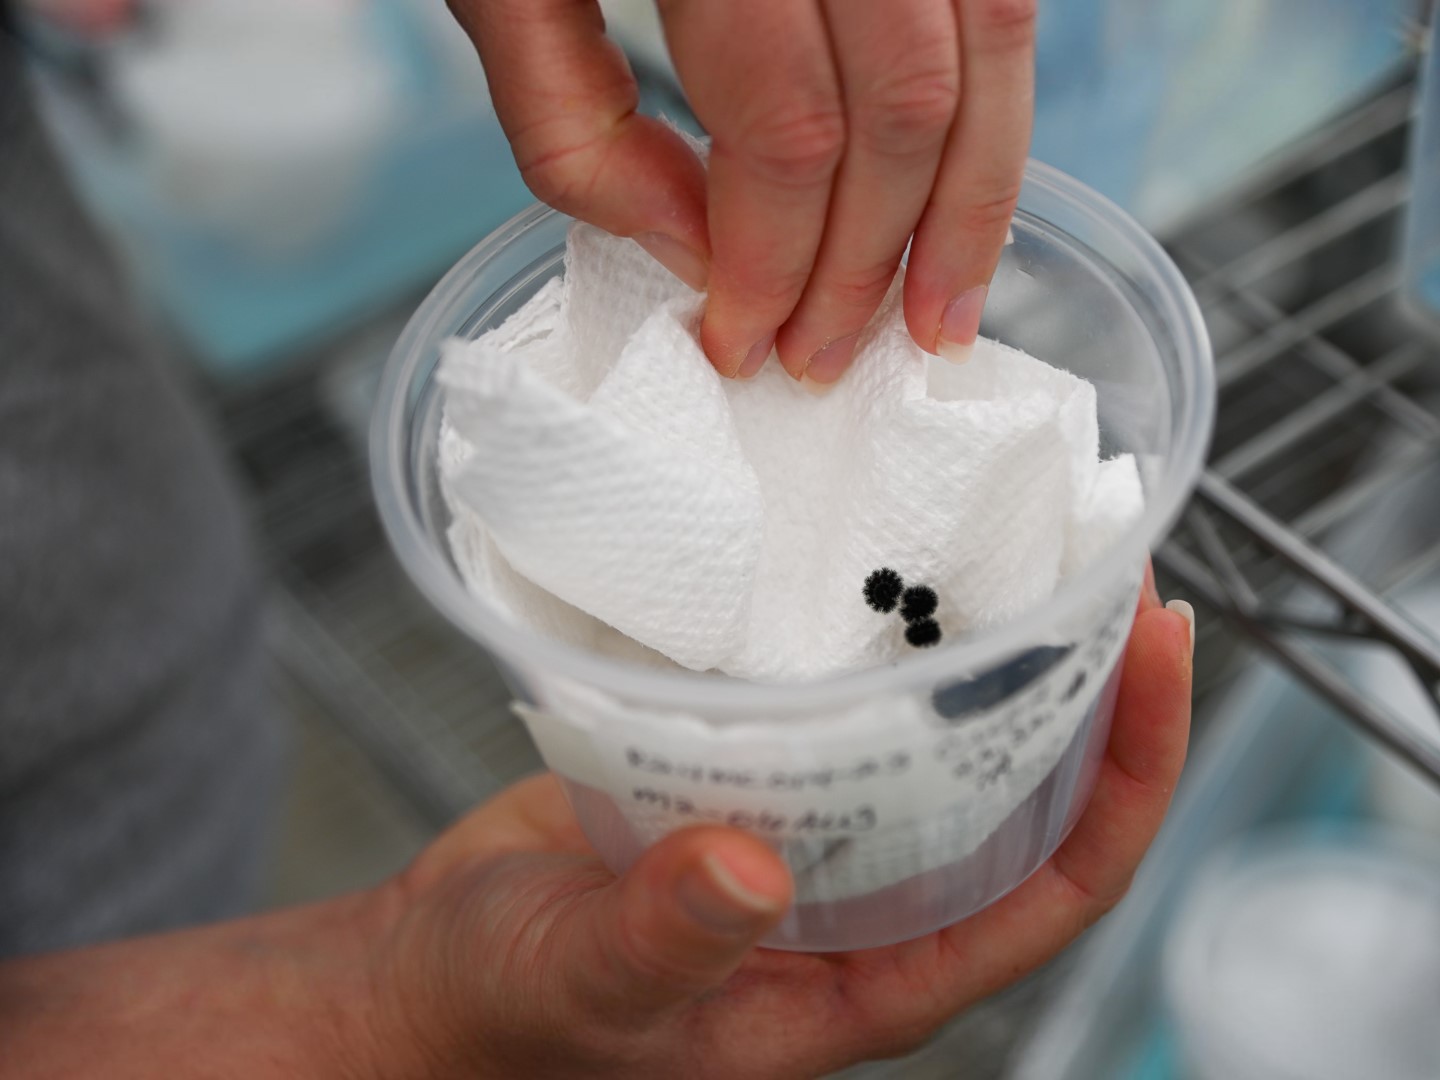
x: 1265, y: 142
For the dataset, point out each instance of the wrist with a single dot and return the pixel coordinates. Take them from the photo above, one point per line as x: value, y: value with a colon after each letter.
x: 345, y: 1026
x: 288, y: 994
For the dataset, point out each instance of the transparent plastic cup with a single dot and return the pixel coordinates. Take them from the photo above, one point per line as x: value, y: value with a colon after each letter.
x: 904, y: 797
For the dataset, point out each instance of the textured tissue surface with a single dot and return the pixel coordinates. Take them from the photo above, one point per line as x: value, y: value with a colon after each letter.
x: 611, y: 490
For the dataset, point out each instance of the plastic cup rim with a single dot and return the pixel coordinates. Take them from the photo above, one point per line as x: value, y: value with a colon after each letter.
x: 392, y: 480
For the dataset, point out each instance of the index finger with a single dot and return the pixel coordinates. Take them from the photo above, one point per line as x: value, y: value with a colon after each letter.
x: 760, y: 77
x: 85, y: 16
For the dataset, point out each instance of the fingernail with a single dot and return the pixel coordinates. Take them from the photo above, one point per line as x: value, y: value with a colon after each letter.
x: 755, y: 358
x: 1180, y: 607
x: 960, y: 324
x: 680, y: 260
x: 956, y: 354
x: 832, y: 360
x: 818, y: 389
x: 718, y: 900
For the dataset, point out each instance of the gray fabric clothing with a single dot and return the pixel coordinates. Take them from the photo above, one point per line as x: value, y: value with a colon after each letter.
x: 138, y: 763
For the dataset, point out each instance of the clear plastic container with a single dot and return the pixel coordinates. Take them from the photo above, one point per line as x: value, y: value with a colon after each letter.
x: 903, y: 797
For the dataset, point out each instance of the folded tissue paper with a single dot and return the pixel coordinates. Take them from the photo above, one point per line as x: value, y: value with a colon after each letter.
x: 610, y: 489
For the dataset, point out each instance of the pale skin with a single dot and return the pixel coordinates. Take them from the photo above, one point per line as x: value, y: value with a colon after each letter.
x: 507, y: 949
x: 840, y: 128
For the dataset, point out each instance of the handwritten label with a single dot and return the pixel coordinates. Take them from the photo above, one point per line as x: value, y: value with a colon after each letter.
x: 860, y: 819
x: 911, y: 787
x: 896, y: 763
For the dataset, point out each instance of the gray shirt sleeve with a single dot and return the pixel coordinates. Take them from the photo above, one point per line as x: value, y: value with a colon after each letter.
x: 138, y: 760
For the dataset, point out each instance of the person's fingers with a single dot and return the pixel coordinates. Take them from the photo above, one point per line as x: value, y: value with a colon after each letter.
x: 1093, y: 867
x: 960, y: 237
x: 760, y: 77
x: 1146, y: 751
x: 899, y: 65
x: 85, y: 16
x: 566, y: 98
x: 918, y: 984
x: 677, y: 924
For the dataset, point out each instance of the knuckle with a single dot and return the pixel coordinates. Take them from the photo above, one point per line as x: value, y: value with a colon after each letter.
x: 769, y: 289
x: 553, y: 184
x: 858, y: 289
x: 1091, y: 904
x: 798, y: 146
x: 562, y: 175
x: 1005, y: 24
x: 1105, y: 904
x: 561, y: 157
x: 991, y: 211
x: 908, y: 112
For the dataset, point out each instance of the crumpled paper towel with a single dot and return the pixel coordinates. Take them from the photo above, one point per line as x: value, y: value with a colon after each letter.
x: 610, y: 489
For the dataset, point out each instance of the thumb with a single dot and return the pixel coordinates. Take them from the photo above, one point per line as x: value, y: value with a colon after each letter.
x: 677, y: 924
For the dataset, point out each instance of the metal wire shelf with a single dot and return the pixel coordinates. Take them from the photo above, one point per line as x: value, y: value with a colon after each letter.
x: 1323, y: 414
x: 1296, y: 277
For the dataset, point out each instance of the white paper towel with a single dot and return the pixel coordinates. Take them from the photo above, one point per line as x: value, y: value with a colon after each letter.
x: 610, y: 489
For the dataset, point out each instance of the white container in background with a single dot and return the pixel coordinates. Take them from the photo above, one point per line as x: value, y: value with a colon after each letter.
x: 1302, y: 954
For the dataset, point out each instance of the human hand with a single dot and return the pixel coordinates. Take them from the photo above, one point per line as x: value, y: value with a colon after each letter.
x: 516, y: 953
x: 91, y: 17
x: 508, y: 950
x: 839, y: 128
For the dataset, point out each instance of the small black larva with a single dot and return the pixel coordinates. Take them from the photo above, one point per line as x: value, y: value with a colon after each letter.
x: 918, y: 602
x: 923, y: 633
x: 885, y: 591
x: 883, y: 588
